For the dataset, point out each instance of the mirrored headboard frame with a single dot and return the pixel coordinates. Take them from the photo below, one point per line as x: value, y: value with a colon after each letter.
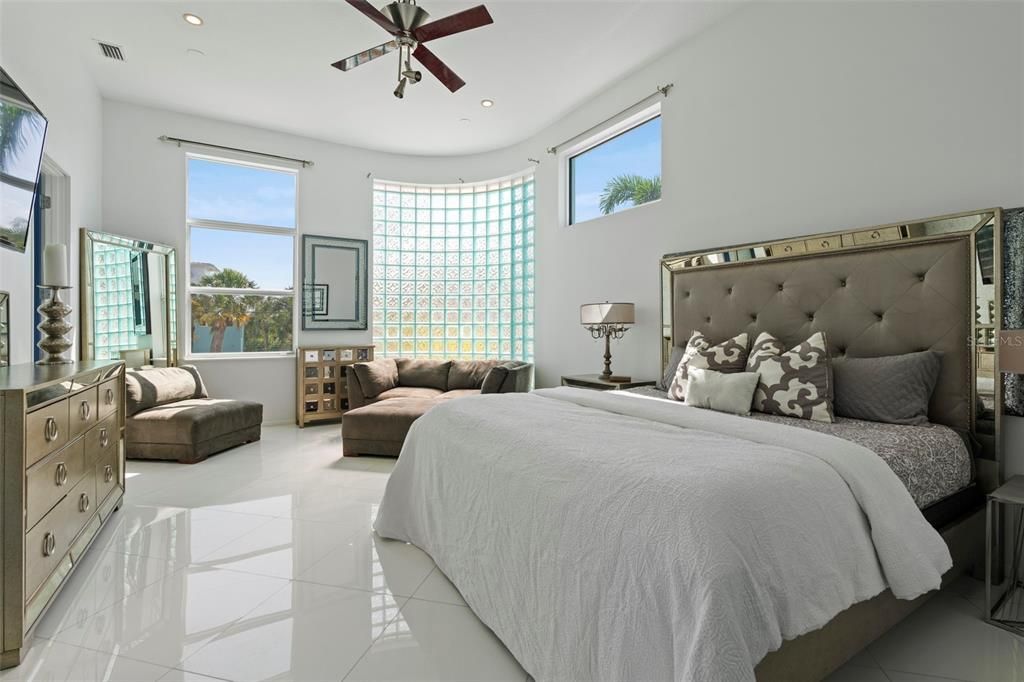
x: 981, y: 227
x: 86, y: 272
x: 5, y: 329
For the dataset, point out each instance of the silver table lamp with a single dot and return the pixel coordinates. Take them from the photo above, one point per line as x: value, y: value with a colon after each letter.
x: 608, y: 320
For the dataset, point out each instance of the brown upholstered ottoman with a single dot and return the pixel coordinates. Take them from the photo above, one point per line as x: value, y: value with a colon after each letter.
x: 380, y: 428
x: 189, y: 431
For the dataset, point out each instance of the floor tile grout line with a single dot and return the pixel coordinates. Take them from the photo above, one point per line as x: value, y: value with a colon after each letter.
x: 359, y: 660
x: 923, y: 674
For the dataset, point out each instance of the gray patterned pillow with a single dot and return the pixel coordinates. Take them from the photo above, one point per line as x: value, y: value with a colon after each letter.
x: 727, y: 357
x: 794, y: 383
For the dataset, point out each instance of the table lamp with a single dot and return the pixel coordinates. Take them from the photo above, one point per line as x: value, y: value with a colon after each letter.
x: 607, y: 320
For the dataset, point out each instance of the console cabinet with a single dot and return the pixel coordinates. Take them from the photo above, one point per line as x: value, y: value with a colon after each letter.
x: 62, y: 457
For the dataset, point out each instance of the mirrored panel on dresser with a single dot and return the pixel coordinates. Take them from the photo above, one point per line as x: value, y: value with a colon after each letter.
x: 5, y: 329
x: 127, y: 300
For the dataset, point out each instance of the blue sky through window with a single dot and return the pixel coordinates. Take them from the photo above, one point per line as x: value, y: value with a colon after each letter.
x: 243, y: 194
x: 635, y: 152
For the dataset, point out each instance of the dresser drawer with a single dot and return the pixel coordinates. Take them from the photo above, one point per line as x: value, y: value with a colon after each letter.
x: 109, y: 398
x: 46, y: 482
x: 83, y: 412
x: 108, y: 464
x: 46, y: 545
x: 46, y: 430
x: 83, y: 504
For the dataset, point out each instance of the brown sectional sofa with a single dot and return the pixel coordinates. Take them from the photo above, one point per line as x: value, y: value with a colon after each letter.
x: 386, y: 396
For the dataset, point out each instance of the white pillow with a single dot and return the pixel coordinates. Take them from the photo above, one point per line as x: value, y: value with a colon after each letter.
x: 732, y: 393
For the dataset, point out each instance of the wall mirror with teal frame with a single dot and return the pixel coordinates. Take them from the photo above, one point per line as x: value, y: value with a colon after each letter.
x: 127, y: 299
x: 334, y: 282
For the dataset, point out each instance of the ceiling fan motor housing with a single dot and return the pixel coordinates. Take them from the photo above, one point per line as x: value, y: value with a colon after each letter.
x: 405, y: 15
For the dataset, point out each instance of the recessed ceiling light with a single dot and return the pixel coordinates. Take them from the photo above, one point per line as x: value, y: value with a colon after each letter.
x: 193, y: 19
x: 487, y: 103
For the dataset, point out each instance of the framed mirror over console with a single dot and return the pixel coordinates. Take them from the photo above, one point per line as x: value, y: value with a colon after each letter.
x: 127, y: 300
x: 934, y: 283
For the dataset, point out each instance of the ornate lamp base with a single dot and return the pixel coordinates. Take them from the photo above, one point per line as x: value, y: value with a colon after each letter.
x: 55, y: 328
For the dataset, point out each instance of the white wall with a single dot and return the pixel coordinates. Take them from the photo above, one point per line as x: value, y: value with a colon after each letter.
x: 785, y: 119
x: 144, y: 195
x: 65, y: 93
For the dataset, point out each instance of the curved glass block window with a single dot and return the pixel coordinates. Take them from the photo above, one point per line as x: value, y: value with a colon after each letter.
x: 453, y: 269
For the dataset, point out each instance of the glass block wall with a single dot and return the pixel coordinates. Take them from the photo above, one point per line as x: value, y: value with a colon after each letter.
x: 453, y: 269
x: 112, y: 291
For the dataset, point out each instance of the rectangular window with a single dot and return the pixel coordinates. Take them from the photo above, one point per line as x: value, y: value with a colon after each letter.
x: 453, y: 269
x: 621, y: 170
x: 241, y: 246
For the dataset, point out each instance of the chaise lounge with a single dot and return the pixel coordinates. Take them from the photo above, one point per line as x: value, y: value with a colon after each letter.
x: 170, y: 416
x: 386, y: 396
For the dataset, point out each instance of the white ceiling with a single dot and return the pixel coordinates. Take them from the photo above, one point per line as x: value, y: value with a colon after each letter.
x: 267, y: 64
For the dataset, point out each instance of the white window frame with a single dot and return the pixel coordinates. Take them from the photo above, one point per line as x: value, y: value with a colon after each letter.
x: 619, y: 127
x: 292, y: 232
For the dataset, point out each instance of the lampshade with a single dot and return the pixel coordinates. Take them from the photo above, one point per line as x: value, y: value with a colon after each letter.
x: 607, y: 313
x: 1011, y: 351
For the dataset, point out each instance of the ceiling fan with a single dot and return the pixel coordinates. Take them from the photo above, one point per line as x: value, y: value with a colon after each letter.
x: 405, y: 21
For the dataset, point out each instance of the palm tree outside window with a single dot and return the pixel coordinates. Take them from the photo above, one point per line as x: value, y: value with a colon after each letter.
x: 241, y: 229
x: 621, y: 171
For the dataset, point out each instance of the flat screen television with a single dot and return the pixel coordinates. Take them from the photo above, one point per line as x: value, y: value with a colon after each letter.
x: 22, y: 133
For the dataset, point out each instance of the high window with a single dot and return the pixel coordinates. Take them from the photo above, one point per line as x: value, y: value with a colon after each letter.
x: 241, y: 254
x: 618, y: 170
x: 453, y: 269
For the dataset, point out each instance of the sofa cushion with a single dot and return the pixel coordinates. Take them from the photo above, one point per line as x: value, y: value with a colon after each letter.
x: 508, y: 377
x: 410, y: 392
x: 458, y: 393
x: 192, y: 421
x: 424, y: 373
x: 148, y: 388
x: 469, y: 373
x: 495, y: 378
x: 388, y: 420
x: 377, y: 376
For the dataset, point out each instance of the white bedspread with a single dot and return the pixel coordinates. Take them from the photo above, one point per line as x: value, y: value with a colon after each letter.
x: 605, y: 536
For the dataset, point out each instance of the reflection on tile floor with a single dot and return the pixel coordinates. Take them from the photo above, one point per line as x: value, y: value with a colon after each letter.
x: 260, y: 563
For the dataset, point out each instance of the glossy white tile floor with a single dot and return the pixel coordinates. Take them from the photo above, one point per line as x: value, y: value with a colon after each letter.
x: 260, y: 563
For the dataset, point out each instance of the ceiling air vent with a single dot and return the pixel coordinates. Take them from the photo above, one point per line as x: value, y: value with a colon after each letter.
x: 111, y: 51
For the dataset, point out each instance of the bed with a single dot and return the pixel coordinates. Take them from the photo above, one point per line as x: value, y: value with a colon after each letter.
x: 606, y: 536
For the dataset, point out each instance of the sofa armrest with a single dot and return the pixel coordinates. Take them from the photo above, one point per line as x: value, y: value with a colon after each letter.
x: 355, y: 389
x: 519, y: 379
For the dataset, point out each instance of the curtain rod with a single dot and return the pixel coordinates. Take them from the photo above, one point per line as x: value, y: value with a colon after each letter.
x: 661, y: 90
x: 180, y: 141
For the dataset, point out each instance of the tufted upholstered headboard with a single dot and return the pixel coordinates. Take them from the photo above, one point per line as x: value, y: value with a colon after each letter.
x: 907, y: 297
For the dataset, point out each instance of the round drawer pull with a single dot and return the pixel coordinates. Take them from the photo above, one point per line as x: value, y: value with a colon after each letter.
x: 108, y: 473
x: 83, y: 503
x: 85, y: 410
x: 49, y: 544
x: 61, y: 474
x: 876, y: 234
x: 109, y: 396
x: 51, y: 430
x: 788, y: 249
x: 825, y: 243
x: 104, y: 438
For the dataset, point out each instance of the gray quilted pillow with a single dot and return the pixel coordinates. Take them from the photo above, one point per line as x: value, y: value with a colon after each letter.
x: 894, y: 389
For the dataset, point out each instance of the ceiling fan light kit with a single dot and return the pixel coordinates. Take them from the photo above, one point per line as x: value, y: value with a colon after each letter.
x: 406, y: 22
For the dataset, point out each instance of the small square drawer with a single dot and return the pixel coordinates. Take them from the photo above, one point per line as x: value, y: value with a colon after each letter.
x: 109, y: 397
x: 46, y: 430
x: 882, y: 234
x: 83, y: 412
x: 46, y: 482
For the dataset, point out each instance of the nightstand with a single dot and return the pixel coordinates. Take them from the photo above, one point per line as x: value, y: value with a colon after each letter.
x: 595, y: 382
x: 1008, y: 611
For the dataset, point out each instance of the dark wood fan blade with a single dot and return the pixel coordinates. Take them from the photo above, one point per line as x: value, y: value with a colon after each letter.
x: 349, y: 63
x: 372, y: 12
x: 435, y: 66
x: 475, y: 17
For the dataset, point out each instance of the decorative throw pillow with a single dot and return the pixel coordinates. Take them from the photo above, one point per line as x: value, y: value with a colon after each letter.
x: 424, y: 373
x: 728, y: 357
x: 794, y: 383
x: 671, y: 367
x: 146, y: 388
x: 713, y: 390
x: 377, y: 376
x: 894, y: 389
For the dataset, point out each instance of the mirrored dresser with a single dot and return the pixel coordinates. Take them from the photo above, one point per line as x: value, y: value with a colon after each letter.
x: 62, y: 455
